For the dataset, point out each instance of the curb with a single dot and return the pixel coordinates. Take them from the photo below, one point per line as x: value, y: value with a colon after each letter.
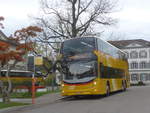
x: 19, y: 109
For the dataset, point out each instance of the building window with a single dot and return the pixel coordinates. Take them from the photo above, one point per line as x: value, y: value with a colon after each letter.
x: 134, y: 77
x: 134, y: 54
x: 144, y: 77
x: 127, y: 54
x: 148, y: 65
x: 142, y: 65
x: 143, y: 54
x: 148, y: 76
x: 134, y: 65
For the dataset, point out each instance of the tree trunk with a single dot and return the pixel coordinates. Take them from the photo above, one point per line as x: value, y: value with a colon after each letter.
x: 6, y: 90
x: 74, y: 21
x: 3, y: 90
x: 6, y: 96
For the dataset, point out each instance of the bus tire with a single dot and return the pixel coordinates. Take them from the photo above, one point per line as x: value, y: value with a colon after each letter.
x: 77, y: 97
x: 107, y: 90
x: 123, y: 86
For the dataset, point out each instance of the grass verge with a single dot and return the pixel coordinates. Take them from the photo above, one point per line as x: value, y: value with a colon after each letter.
x: 11, y: 104
x: 29, y: 95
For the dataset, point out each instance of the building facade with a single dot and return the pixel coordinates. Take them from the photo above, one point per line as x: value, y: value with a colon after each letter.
x: 138, y: 54
x: 19, y: 65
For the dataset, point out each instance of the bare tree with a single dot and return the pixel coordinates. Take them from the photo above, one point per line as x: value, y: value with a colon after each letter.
x: 65, y: 19
x: 75, y: 18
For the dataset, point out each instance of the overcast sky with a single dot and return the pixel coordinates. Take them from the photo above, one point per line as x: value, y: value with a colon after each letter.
x: 134, y: 17
x: 17, y: 12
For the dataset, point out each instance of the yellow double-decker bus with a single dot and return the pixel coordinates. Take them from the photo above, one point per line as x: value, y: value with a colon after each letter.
x: 91, y: 66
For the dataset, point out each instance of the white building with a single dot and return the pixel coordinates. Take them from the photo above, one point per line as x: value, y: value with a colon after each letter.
x: 13, y: 45
x: 138, y: 53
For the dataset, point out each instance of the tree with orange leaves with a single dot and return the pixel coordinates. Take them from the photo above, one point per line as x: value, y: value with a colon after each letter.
x: 23, y: 41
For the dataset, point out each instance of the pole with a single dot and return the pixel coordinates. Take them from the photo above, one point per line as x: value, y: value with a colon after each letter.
x: 33, y: 90
x: 53, y: 73
x: 33, y: 84
x: 52, y: 84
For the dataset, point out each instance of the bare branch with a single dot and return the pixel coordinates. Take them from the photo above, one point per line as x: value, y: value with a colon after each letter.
x: 84, y: 9
x: 77, y: 17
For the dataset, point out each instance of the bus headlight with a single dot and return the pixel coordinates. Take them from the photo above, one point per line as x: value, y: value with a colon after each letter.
x: 95, y: 83
x: 62, y: 85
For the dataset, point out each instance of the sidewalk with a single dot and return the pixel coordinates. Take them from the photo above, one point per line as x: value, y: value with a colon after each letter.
x: 40, y: 101
x: 48, y: 98
x: 19, y: 100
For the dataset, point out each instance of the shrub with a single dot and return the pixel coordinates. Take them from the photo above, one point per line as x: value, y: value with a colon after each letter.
x: 141, y: 83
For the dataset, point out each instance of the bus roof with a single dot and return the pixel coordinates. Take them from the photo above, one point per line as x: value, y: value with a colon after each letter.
x: 96, y: 38
x: 112, y: 45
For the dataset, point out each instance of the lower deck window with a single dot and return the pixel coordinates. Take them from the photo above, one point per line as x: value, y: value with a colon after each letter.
x: 110, y: 72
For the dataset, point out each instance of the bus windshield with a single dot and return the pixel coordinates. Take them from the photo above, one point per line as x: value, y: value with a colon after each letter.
x: 80, y: 72
x: 77, y: 46
x: 78, y: 61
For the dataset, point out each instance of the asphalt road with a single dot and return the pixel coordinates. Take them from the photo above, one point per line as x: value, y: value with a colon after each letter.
x: 134, y: 100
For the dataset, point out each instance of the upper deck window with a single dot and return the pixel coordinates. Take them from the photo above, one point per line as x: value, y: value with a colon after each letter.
x: 78, y: 46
